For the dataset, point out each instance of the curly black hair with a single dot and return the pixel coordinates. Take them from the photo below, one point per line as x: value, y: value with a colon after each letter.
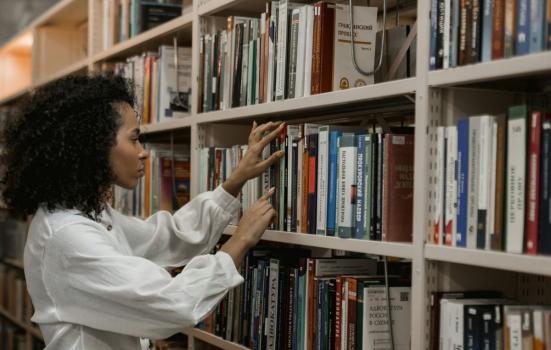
x: 57, y: 148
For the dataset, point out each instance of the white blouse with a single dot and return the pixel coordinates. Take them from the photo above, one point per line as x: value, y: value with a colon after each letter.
x: 104, y: 285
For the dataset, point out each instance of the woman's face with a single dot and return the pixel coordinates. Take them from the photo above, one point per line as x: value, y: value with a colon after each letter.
x: 128, y: 156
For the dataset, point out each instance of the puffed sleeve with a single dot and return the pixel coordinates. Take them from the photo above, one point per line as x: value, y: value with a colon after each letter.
x: 172, y: 239
x: 95, y: 285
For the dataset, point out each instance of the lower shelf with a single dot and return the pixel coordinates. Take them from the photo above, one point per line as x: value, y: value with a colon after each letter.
x: 213, y: 339
x: 35, y: 332
x: 533, y: 264
x: 400, y: 250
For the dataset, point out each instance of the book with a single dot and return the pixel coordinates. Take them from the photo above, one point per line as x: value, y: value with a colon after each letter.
x: 174, y: 82
x: 462, y: 181
x: 516, y: 178
x: 322, y: 49
x: 346, y: 185
x: 451, y: 187
x: 345, y: 74
x: 497, y: 235
x: 545, y: 197
x: 498, y: 29
x: 522, y: 40
x: 509, y: 33
x: 533, y: 182
x: 397, y: 186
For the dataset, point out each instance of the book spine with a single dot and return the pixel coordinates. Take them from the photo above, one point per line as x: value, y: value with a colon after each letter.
x: 327, y: 38
x: 312, y: 182
x: 316, y: 51
x: 474, y: 168
x: 492, y: 163
x: 522, y: 42
x: 509, y: 33
x: 332, y: 183
x: 475, y: 31
x: 262, y: 53
x: 463, y: 181
x: 441, y: 30
x: 360, y: 192
x: 368, y: 184
x: 282, y: 36
x: 487, y: 30
x: 245, y: 62
x: 446, y: 34
x: 380, y: 183
x: 498, y: 232
x: 483, y: 181
x: 537, y: 25
x: 323, y: 152
x: 433, y: 35
x: 272, y: 51
x: 498, y: 29
x: 534, y: 190
x: 308, y: 50
x: 463, y: 36
x: 454, y: 37
x: 545, y: 198
x: 347, y: 185
x: 440, y: 185
x: 516, y: 180
x: 305, y: 180
x: 293, y: 50
x: 451, y: 186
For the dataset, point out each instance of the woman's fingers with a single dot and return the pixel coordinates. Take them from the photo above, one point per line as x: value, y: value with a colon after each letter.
x: 268, y: 194
x: 265, y: 141
x: 264, y: 164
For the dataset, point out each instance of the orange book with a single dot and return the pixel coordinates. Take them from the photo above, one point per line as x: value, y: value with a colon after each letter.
x: 147, y: 90
x: 147, y: 189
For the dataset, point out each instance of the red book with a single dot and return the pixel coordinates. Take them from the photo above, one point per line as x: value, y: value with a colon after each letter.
x: 327, y: 46
x: 398, y: 188
x: 533, y: 193
x: 352, y: 301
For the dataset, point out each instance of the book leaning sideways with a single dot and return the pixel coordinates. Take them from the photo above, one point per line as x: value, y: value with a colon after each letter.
x: 345, y: 75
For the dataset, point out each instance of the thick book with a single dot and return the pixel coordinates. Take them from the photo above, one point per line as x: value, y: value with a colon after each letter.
x: 322, y: 51
x: 484, y: 178
x: 312, y: 181
x: 345, y: 75
x: 516, y: 178
x: 437, y: 228
x: 537, y: 25
x: 398, y: 188
x: 450, y: 223
x: 462, y: 181
x: 291, y: 85
x: 272, y: 51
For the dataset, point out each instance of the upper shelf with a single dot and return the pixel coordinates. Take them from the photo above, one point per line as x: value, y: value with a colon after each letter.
x: 70, y: 12
x: 72, y: 69
x: 401, y: 250
x: 532, y: 264
x: 520, y: 66
x: 150, y: 40
x: 334, y: 103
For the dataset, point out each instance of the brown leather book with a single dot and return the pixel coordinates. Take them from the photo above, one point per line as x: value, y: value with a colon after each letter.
x: 496, y: 240
x: 497, y: 30
x: 316, y: 51
x: 398, y: 188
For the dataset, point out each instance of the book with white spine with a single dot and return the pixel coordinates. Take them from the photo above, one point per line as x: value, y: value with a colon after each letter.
x: 308, y: 50
x: 439, y: 186
x: 450, y: 213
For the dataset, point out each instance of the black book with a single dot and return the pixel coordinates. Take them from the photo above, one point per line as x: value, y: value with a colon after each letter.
x: 238, y: 61
x: 312, y: 196
x: 544, y: 244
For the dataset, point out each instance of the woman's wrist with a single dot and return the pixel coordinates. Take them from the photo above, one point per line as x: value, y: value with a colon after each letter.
x: 234, y: 183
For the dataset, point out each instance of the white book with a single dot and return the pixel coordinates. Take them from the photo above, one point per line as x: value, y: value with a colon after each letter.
x: 451, y: 186
x: 516, y: 182
x: 285, y: 8
x: 224, y: 74
x: 514, y: 323
x: 484, y: 178
x: 301, y: 51
x: 174, y: 82
x: 473, y: 179
x: 375, y: 307
x: 245, y: 63
x: 106, y: 20
x: 490, y: 218
x: 272, y: 51
x: 446, y: 43
x: 445, y: 326
x: 345, y: 74
x: 252, y: 74
x: 230, y: 48
x: 308, y: 50
x: 344, y: 314
x: 439, y: 185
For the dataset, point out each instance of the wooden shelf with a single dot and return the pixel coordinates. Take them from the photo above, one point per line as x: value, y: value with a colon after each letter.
x: 532, y: 64
x: 146, y: 40
x: 177, y: 123
x: 401, y: 250
x: 72, y: 69
x: 226, y: 7
x: 64, y: 12
x: 15, y: 96
x: 532, y: 264
x: 213, y: 339
x: 14, y: 263
x: 34, y: 331
x: 327, y: 103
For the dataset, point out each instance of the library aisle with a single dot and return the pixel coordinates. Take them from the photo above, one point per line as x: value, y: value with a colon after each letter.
x: 413, y: 195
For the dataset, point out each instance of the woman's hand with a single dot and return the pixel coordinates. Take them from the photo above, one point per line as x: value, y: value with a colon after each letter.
x: 252, y: 164
x: 251, y: 227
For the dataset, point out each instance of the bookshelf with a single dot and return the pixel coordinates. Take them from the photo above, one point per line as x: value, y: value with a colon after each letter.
x: 430, y: 99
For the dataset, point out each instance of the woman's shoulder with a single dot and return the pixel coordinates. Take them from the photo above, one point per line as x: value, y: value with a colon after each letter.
x: 59, y: 218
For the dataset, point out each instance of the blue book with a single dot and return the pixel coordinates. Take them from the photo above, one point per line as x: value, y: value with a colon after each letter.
x: 537, y: 25
x: 462, y: 181
x: 487, y: 15
x: 522, y: 42
x: 433, y: 34
x: 332, y: 183
x: 544, y: 243
x: 360, y: 212
x: 301, y: 302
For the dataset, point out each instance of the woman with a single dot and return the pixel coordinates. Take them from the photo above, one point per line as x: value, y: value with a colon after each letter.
x: 97, y: 278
